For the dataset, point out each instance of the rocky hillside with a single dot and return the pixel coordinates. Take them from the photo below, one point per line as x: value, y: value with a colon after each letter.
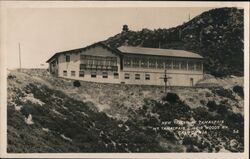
x: 216, y: 34
x: 49, y: 114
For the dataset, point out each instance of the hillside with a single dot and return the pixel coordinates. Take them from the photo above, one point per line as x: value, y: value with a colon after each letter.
x: 49, y: 114
x: 216, y: 34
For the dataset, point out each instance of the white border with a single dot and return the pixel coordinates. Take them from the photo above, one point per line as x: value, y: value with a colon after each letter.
x: 77, y: 4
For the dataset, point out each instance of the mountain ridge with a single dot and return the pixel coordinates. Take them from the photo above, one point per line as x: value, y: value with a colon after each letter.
x: 216, y: 34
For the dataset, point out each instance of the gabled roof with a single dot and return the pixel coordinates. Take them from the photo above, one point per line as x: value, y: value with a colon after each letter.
x: 83, y: 49
x: 135, y: 50
x: 158, y: 52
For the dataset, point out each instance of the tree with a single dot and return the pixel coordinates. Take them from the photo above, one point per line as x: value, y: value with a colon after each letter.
x: 125, y: 28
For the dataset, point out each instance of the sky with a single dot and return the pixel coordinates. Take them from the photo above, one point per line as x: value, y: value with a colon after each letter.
x: 42, y: 32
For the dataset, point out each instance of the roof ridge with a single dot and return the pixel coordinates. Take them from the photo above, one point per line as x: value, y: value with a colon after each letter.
x: 156, y: 48
x: 158, y: 52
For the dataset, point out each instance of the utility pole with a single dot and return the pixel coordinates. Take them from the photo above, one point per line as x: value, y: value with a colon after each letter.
x: 189, y: 17
x: 20, y: 64
x: 165, y: 79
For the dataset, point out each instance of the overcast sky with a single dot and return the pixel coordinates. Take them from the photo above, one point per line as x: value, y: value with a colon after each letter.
x: 45, y: 31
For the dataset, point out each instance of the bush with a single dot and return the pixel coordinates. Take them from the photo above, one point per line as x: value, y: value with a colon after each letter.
x: 222, y: 109
x: 77, y: 84
x: 11, y: 77
x: 189, y: 141
x: 171, y: 97
x: 239, y: 90
x: 227, y: 93
x: 212, y: 106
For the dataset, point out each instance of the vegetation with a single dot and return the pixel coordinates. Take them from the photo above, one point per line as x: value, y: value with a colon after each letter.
x: 239, y: 90
x: 77, y: 83
x: 216, y: 34
x: 49, y: 114
x: 171, y: 97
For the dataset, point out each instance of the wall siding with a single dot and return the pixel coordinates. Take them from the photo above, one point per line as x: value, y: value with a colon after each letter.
x: 178, y: 77
x: 74, y: 65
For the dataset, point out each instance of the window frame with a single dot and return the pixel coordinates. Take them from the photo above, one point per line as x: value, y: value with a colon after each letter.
x: 73, y: 73
x: 116, y: 75
x: 67, y: 58
x: 191, y: 63
x: 135, y: 61
x: 81, y: 75
x: 152, y: 63
x: 137, y: 76
x: 126, y: 76
x: 147, y: 76
x: 144, y: 63
x: 198, y: 63
x: 160, y: 64
x: 183, y: 65
x: 105, y: 75
x: 65, y: 73
x: 93, y: 74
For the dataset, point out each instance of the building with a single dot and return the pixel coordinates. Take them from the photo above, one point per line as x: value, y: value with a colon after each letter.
x: 128, y: 65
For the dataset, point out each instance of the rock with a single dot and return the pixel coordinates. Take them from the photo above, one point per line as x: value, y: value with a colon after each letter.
x: 29, y: 120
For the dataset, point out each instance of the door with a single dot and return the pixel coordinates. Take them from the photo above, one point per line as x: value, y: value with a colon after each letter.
x: 191, y: 82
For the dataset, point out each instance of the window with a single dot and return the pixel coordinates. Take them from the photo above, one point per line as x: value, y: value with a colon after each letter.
x: 67, y: 58
x: 81, y: 73
x: 176, y: 64
x: 114, y: 68
x: 116, y: 75
x: 126, y: 76
x: 152, y: 63
x: 190, y: 65
x: 83, y: 66
x: 144, y: 63
x: 99, y: 62
x: 127, y: 62
x: 135, y: 62
x: 169, y: 64
x: 73, y: 73
x: 64, y: 73
x: 198, y: 66
x: 54, y: 63
x: 84, y: 59
x: 160, y: 64
x: 183, y: 65
x: 137, y: 76
x: 90, y: 62
x: 113, y: 61
x: 93, y: 74
x: 147, y: 77
x: 105, y: 75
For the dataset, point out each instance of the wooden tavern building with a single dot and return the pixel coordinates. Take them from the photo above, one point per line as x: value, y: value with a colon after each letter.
x: 129, y: 65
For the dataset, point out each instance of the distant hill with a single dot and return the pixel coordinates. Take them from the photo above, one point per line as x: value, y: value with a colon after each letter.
x: 216, y: 34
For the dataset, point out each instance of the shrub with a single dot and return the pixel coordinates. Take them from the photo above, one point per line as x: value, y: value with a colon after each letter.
x: 201, y: 113
x: 189, y: 141
x: 11, y: 77
x: 224, y: 93
x: 222, y: 109
x: 171, y: 97
x: 212, y: 106
x: 203, y: 102
x: 77, y: 84
x: 239, y: 90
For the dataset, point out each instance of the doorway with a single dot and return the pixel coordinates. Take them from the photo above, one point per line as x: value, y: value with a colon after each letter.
x: 191, y: 82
